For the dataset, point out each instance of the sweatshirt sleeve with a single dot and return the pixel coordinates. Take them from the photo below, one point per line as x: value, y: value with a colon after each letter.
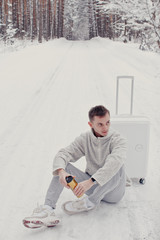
x: 113, y: 162
x: 69, y: 154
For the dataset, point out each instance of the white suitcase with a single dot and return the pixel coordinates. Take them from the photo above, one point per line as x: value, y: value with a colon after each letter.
x: 137, y: 130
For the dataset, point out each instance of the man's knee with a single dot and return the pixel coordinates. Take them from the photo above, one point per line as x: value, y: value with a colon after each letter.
x: 113, y: 198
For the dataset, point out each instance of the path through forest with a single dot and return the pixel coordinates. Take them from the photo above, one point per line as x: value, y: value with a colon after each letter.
x: 45, y: 94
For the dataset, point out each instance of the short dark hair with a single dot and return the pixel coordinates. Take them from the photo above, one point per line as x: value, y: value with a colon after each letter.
x: 99, y: 110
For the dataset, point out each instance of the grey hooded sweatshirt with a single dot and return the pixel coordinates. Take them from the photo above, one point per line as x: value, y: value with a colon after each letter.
x: 104, y: 155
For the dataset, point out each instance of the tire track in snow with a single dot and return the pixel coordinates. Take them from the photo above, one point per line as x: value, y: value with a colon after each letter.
x: 14, y: 148
x: 11, y: 185
x: 18, y: 128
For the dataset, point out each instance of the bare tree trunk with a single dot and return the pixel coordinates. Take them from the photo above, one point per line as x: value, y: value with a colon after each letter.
x: 1, y: 17
x: 15, y: 14
x: 25, y: 27
x: 20, y: 4
x: 58, y: 19
x: 44, y: 22
x: 40, y: 20
x: 28, y: 19
x: 90, y: 20
x: 54, y: 32
x: 61, y: 17
x: 49, y: 19
x: 34, y: 20
x: 152, y: 18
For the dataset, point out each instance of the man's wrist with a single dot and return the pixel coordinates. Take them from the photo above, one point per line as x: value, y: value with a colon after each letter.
x: 93, y: 179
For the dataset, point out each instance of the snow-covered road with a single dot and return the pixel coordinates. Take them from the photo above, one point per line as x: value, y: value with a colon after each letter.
x: 45, y: 93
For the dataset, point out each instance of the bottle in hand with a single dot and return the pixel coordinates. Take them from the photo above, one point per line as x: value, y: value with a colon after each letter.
x: 72, y: 183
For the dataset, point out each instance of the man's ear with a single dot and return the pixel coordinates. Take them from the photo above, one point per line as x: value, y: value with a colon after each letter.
x: 90, y: 124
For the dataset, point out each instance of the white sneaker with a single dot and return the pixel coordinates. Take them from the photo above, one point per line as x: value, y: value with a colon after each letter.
x: 73, y: 207
x: 42, y: 216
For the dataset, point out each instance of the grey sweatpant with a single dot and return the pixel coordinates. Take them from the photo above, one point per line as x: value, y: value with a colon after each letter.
x: 111, y: 192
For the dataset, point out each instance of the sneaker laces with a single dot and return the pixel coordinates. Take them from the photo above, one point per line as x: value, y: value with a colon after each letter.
x: 38, y: 209
x: 41, y: 208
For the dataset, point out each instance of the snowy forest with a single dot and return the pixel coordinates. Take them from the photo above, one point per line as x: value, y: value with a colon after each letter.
x: 42, y: 20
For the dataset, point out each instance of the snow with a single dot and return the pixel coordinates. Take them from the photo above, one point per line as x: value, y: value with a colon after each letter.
x: 46, y: 91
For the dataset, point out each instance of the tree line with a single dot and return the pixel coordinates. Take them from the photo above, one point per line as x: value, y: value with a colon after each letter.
x: 137, y: 20
x: 31, y: 19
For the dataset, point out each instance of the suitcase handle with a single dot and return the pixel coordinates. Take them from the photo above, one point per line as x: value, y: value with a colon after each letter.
x: 117, y: 92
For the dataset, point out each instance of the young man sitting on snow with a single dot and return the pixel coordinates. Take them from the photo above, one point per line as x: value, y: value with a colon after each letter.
x: 103, y: 179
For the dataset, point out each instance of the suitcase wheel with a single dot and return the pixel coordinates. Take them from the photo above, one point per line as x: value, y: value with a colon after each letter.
x: 142, y: 181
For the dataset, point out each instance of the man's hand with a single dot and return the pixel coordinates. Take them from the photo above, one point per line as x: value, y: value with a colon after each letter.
x: 62, y: 177
x: 83, y: 187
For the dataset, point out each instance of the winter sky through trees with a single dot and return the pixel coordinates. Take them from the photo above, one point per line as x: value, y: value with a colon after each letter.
x: 127, y: 20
